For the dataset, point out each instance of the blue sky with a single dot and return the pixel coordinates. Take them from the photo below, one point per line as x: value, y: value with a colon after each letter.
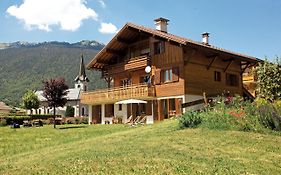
x: 252, y: 27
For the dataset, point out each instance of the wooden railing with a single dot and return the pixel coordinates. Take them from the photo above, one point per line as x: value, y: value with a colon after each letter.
x: 249, y: 84
x: 108, y: 96
x: 139, y: 62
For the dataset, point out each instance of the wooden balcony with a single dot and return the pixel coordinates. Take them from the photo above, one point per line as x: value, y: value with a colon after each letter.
x: 250, y: 84
x: 109, y: 96
x: 135, y: 63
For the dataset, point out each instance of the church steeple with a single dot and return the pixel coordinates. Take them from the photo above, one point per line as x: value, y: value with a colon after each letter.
x: 82, y: 79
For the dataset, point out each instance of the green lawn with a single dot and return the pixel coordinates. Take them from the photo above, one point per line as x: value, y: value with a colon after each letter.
x: 154, y: 149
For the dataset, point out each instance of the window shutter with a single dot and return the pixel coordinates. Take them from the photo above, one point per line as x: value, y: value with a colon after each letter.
x: 175, y: 74
x: 157, y: 76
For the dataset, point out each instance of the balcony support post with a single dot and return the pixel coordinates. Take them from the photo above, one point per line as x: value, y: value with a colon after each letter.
x: 102, y: 113
x: 152, y: 110
x: 90, y: 119
x: 184, y: 101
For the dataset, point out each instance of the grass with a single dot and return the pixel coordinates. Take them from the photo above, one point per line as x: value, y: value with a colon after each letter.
x: 154, y: 149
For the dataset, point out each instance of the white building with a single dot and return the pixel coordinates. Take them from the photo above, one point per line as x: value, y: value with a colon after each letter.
x: 73, y: 97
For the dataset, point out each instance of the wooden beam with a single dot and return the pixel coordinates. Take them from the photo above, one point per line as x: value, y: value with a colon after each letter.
x: 213, y: 60
x: 230, y: 62
x: 187, y: 59
x: 226, y: 60
x: 243, y: 70
x: 115, y: 52
x: 122, y: 40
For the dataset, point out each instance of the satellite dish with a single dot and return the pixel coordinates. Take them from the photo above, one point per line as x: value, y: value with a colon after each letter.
x: 147, y: 69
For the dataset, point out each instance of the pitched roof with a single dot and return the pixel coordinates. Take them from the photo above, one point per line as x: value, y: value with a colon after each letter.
x: 3, y: 106
x: 82, y: 73
x: 73, y: 94
x: 130, y: 31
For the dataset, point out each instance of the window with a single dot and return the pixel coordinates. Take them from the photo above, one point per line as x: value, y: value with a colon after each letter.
x: 232, y: 80
x: 159, y: 47
x: 120, y: 107
x: 170, y: 75
x: 217, y: 76
x: 167, y: 75
x: 172, y: 104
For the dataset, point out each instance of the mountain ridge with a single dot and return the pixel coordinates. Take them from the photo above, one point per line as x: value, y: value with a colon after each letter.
x: 23, y: 66
x: 81, y: 44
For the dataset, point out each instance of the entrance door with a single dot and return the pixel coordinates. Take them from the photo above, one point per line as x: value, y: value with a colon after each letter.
x: 97, y: 114
x: 165, y: 108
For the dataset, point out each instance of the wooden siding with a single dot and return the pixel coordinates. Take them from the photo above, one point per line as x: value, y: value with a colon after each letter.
x: 173, y: 54
x: 135, y: 63
x: 199, y: 75
x: 172, y: 58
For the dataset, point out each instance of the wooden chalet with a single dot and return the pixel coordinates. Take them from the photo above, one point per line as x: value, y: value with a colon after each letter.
x: 181, y: 70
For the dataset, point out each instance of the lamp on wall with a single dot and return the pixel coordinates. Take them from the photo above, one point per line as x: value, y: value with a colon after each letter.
x: 147, y: 77
x: 147, y: 69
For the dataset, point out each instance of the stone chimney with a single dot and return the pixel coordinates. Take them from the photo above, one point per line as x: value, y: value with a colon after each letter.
x: 205, y: 38
x: 161, y: 24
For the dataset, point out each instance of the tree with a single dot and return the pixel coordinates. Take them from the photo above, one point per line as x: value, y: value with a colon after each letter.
x: 30, y: 101
x: 69, y: 112
x: 269, y: 80
x: 55, y: 91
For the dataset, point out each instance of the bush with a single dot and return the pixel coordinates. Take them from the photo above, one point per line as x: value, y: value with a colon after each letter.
x: 84, y: 120
x: 76, y: 120
x: 69, y: 112
x: 269, y: 117
x: 236, y: 115
x: 3, y: 122
x: 190, y: 120
x: 43, y: 116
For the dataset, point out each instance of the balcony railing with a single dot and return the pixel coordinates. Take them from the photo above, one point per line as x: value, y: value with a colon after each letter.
x: 135, y: 63
x: 108, y: 96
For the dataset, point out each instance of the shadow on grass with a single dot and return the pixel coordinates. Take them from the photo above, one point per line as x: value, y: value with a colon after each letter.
x: 73, y: 127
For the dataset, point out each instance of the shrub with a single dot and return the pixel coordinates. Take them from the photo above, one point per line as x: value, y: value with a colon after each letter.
x: 190, y: 120
x: 69, y: 112
x: 43, y: 116
x: 77, y: 120
x: 84, y: 120
x: 218, y: 119
x: 236, y: 115
x: 3, y: 122
x: 269, y: 117
x: 70, y: 120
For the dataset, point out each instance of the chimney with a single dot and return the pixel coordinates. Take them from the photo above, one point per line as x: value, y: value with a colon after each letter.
x: 161, y: 24
x: 205, y: 38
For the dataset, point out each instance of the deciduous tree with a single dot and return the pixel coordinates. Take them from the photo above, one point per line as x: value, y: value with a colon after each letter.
x: 55, y: 91
x: 30, y: 101
x: 269, y: 80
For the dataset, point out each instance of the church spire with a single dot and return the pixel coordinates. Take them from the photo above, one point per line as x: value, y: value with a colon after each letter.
x: 82, y: 77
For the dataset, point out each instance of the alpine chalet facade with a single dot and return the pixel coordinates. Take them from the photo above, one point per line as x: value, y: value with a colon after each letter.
x: 163, y: 69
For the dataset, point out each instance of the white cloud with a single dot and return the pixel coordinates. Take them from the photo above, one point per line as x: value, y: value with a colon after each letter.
x: 102, y: 3
x: 107, y: 28
x: 43, y: 14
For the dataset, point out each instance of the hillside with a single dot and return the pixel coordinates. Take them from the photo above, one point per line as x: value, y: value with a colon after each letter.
x: 25, y: 65
x: 160, y: 148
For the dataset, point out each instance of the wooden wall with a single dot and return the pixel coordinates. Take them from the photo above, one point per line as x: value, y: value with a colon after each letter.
x: 199, y: 79
x: 171, y: 58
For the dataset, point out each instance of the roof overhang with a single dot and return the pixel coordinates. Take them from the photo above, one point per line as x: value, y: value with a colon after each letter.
x: 130, y: 32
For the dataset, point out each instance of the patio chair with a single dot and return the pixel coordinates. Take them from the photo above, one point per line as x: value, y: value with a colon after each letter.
x: 137, y: 119
x: 143, y: 119
x: 129, y: 120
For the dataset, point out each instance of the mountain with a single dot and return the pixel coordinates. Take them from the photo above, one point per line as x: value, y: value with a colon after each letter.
x: 23, y: 66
